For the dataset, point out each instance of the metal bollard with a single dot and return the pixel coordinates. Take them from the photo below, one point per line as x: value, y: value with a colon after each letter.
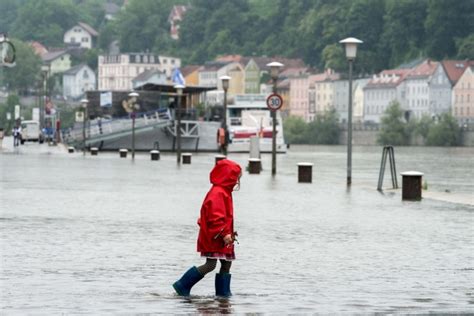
x: 186, y: 158
x: 123, y: 153
x: 219, y: 158
x: 255, y: 165
x: 305, y: 172
x: 411, y: 185
x: 94, y: 151
x: 155, y: 155
x: 70, y: 150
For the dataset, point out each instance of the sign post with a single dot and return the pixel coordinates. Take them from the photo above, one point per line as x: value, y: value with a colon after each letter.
x: 274, y: 103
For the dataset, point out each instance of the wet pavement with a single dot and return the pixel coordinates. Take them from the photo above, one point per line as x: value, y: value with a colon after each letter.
x: 104, y: 235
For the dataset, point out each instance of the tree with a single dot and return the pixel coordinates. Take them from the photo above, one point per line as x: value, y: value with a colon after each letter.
x: 365, y: 20
x: 26, y: 72
x: 142, y: 22
x: 9, y: 107
x: 446, y: 21
x: 423, y: 126
x: 45, y: 21
x: 393, y: 129
x: 465, y: 47
x: 8, y: 14
x: 404, y: 33
x: 334, y: 57
x: 324, y: 129
x: 445, y: 132
x: 295, y: 129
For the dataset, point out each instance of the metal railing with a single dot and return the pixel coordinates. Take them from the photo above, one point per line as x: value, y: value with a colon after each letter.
x: 100, y: 130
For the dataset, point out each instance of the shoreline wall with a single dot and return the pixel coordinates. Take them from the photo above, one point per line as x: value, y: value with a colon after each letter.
x: 368, y: 137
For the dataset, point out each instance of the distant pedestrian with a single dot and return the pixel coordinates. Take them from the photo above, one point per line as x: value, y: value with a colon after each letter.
x: 216, y: 230
x: 17, y: 135
x: 1, y: 137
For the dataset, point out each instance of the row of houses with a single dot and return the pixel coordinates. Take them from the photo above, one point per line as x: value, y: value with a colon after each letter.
x: 424, y: 88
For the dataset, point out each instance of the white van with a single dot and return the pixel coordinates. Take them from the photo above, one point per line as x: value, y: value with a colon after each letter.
x: 30, y: 131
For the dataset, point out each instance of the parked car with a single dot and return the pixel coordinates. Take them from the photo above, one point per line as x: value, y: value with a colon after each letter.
x: 30, y: 131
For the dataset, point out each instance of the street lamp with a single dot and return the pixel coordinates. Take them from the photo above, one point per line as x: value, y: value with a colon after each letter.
x: 351, y: 52
x: 84, y: 104
x: 179, y: 90
x: 225, y: 85
x: 44, y: 73
x: 274, y: 72
x: 133, y: 100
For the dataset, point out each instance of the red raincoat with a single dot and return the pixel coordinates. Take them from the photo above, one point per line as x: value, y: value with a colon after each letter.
x: 217, y: 211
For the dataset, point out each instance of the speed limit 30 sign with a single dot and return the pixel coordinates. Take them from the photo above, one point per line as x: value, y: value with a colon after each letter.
x: 274, y: 102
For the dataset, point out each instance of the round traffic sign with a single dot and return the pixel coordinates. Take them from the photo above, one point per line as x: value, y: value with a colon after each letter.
x: 274, y: 102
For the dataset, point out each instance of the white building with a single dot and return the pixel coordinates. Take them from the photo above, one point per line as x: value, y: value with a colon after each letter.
x: 78, y: 80
x: 168, y: 64
x: 208, y: 76
x: 428, y: 90
x: 381, y: 91
x: 341, y: 98
x: 149, y: 76
x: 81, y: 35
x: 358, y: 102
x: 116, y: 72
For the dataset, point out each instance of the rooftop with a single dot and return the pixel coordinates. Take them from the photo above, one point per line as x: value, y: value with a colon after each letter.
x: 455, y: 68
x: 89, y: 29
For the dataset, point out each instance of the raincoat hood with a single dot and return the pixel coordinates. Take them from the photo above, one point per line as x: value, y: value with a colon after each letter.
x: 225, y: 174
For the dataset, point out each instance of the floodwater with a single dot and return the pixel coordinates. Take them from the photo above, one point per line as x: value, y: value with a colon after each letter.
x: 104, y: 235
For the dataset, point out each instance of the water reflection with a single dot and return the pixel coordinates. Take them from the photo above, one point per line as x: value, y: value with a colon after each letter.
x: 211, y: 306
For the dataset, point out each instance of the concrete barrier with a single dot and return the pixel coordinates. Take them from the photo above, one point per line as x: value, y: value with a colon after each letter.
x: 411, y: 185
x: 305, y: 172
x: 155, y: 155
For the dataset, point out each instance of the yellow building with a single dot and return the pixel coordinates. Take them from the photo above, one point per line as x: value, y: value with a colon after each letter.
x: 57, y: 61
x: 191, y: 75
x: 237, y: 82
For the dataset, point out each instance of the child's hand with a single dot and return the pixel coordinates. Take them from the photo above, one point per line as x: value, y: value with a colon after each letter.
x: 228, y: 239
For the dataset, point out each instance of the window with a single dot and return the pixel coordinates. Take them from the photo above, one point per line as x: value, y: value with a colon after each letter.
x: 172, y: 61
x: 73, y: 39
x: 85, y: 74
x: 85, y: 39
x: 165, y: 61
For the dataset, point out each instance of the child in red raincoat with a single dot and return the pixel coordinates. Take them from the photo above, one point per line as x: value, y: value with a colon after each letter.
x: 216, y: 230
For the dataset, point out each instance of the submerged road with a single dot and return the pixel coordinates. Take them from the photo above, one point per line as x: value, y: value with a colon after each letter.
x: 104, y: 235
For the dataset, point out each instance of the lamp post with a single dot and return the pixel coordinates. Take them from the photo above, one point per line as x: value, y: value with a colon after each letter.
x: 179, y: 90
x: 225, y: 85
x: 133, y: 99
x: 351, y: 52
x: 84, y: 103
x: 44, y: 74
x: 274, y: 72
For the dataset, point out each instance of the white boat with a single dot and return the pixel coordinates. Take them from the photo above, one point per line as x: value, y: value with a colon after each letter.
x: 248, y: 117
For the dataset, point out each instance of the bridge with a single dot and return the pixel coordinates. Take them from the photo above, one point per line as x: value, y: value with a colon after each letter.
x: 106, y: 130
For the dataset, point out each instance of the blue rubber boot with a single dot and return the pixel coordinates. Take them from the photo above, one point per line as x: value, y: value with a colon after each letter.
x: 223, y: 284
x: 183, y: 286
